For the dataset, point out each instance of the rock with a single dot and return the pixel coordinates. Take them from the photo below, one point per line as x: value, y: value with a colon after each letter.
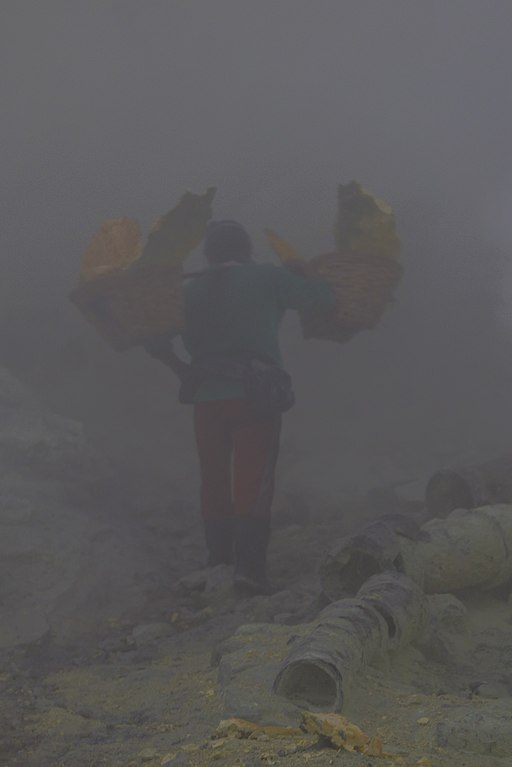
x: 43, y: 547
x: 484, y: 730
x: 71, y: 560
x: 167, y: 760
x: 337, y: 729
x: 265, y: 608
x: 210, y: 581
x: 238, y: 729
x: 492, y: 690
x: 447, y: 634
x: 23, y: 624
x: 285, y: 619
x: 58, y: 722
x: 151, y: 632
x: 32, y: 437
x: 175, y: 760
x: 448, y: 613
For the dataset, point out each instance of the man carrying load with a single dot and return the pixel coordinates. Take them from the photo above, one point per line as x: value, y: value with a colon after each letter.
x: 238, y: 389
x: 229, y: 317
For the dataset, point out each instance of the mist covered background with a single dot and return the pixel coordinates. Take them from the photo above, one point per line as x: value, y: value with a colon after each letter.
x: 116, y: 108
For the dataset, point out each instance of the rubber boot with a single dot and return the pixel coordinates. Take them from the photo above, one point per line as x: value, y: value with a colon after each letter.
x: 219, y: 535
x: 252, y: 534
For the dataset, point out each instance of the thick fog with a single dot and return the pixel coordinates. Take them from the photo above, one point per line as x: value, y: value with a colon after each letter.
x: 116, y: 108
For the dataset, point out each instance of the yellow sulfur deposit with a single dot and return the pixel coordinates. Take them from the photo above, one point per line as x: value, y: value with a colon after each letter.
x: 342, y: 733
x: 333, y: 727
x: 242, y: 728
x: 337, y: 728
x: 364, y: 269
x: 365, y: 224
x: 175, y: 234
x: 129, y: 295
x: 115, y: 245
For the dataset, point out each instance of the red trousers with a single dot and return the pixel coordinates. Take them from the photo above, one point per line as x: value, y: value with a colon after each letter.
x: 237, y: 455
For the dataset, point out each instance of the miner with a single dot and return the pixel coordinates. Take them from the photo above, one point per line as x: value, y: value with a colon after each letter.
x: 238, y: 389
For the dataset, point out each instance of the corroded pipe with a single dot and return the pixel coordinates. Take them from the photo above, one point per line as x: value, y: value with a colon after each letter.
x: 388, y: 613
x: 469, y: 549
x: 468, y: 487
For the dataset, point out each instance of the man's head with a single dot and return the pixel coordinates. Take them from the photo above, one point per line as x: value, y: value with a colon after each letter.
x: 226, y: 241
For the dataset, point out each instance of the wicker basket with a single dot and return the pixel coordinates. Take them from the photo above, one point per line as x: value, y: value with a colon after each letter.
x: 130, y: 296
x: 114, y: 246
x: 131, y: 305
x: 364, y: 286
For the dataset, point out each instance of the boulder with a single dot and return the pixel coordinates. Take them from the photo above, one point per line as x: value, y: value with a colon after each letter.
x: 76, y: 551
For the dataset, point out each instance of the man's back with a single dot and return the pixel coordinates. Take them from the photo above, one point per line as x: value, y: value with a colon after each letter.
x: 239, y: 308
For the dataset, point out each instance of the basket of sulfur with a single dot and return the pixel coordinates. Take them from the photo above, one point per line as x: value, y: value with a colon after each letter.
x: 364, y: 269
x: 130, y: 293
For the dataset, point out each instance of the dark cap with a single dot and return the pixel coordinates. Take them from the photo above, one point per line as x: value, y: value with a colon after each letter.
x: 226, y: 241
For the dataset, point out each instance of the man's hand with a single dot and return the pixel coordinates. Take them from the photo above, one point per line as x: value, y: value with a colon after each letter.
x: 161, y: 348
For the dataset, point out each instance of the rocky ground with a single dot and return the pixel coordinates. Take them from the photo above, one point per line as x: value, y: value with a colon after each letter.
x: 118, y: 650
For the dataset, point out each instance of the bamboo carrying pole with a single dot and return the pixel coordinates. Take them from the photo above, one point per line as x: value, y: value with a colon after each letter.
x: 469, y: 549
x: 389, y: 612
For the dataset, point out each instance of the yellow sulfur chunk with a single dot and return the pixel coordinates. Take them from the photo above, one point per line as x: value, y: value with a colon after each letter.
x: 175, y: 235
x: 365, y: 224
x: 340, y: 731
x: 115, y: 245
